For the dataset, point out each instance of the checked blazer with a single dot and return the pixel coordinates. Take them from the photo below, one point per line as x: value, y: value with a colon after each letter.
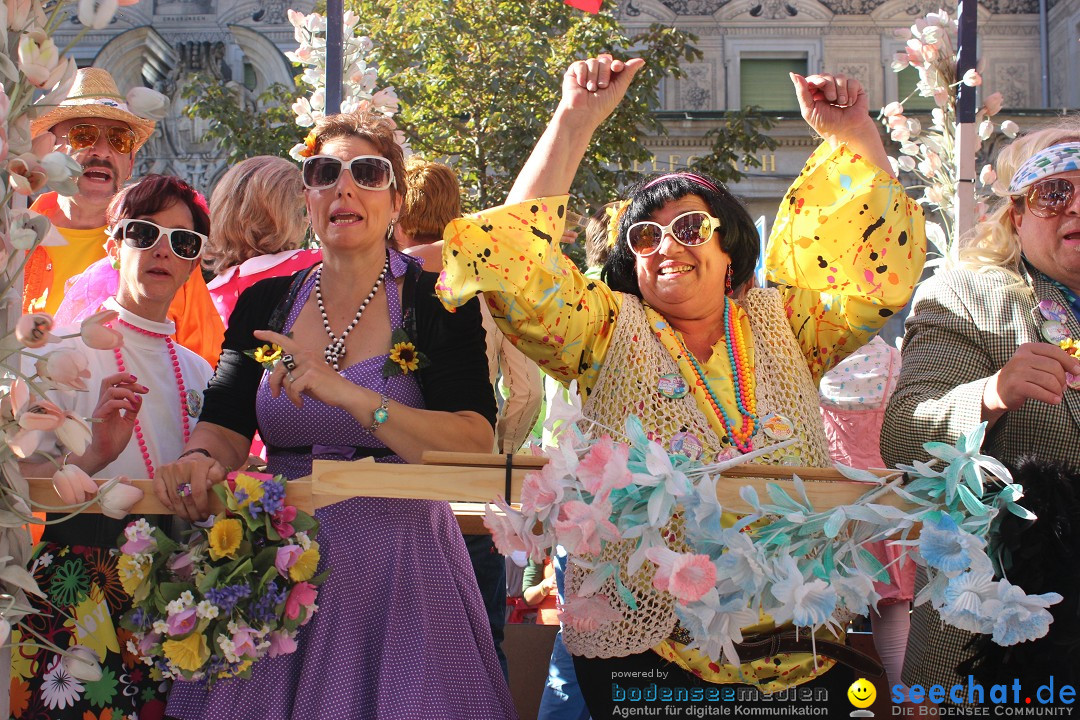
x: 964, y: 327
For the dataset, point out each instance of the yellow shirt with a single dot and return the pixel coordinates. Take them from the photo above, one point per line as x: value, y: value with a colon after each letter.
x: 846, y: 249
x: 84, y: 247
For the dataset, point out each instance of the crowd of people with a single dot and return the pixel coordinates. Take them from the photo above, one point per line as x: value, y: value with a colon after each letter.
x: 361, y: 251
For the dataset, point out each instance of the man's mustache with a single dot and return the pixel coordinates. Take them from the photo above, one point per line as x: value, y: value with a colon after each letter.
x: 99, y: 162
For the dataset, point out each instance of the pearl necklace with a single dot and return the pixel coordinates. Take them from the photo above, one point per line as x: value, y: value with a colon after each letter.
x: 179, y: 384
x: 742, y: 380
x: 336, y: 349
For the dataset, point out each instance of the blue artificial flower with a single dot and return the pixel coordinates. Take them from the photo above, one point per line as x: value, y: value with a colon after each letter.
x: 1019, y: 617
x: 946, y: 547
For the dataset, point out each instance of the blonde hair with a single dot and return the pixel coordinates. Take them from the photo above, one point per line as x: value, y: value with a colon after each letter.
x: 432, y: 200
x: 994, y: 243
x: 257, y: 208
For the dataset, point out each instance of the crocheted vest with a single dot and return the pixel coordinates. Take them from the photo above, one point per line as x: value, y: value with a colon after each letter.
x: 627, y: 384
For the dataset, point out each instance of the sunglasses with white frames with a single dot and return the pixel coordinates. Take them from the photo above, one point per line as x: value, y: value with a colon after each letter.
x: 370, y: 172
x: 689, y: 229
x: 143, y: 235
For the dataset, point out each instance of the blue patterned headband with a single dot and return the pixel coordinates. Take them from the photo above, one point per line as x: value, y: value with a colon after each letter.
x: 1048, y: 161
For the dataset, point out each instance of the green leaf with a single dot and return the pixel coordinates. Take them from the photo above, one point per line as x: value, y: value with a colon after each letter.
x: 170, y: 591
x: 209, y: 579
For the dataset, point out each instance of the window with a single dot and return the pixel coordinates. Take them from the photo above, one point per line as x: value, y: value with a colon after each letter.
x: 906, y: 80
x: 764, y: 82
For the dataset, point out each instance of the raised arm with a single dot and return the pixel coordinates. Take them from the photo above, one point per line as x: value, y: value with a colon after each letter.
x: 836, y: 108
x: 591, y: 90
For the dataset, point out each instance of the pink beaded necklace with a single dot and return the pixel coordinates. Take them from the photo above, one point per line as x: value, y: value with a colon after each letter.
x: 179, y: 384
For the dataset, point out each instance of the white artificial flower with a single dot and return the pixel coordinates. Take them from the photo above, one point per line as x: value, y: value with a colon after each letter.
x: 1009, y: 128
x: 987, y: 176
x: 148, y: 103
x: 97, y: 14
x: 906, y: 163
x: 972, y: 78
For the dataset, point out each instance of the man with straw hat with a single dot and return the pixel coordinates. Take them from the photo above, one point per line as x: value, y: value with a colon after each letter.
x: 96, y: 127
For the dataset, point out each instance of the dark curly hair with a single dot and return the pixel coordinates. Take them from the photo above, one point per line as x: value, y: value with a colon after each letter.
x: 738, y: 235
x: 154, y: 193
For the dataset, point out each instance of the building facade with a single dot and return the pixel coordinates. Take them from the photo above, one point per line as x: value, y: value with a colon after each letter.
x: 748, y: 48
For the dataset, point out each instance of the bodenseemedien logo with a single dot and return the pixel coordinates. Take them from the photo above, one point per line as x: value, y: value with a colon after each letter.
x: 862, y: 694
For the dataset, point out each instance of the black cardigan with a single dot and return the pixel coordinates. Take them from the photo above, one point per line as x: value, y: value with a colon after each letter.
x: 456, y: 379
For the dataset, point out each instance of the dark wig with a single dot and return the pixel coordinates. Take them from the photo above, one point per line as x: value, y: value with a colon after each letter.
x: 738, y: 236
x: 154, y: 193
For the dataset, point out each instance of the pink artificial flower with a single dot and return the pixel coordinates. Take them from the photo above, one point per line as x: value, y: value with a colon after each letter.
x: 281, y: 643
x: 505, y: 528
x: 138, y: 543
x: 282, y: 521
x: 604, y: 468
x: 244, y: 642
x: 687, y: 577
x: 97, y: 335
x: 588, y: 614
x: 33, y: 330
x: 147, y: 642
x: 581, y: 526
x: 23, y: 443
x: 66, y: 368
x: 893, y: 108
x: 44, y: 416
x: 287, y: 555
x: 26, y: 177
x: 301, y: 595
x: 972, y: 78
x: 992, y: 105
x: 73, y: 485
x: 182, y: 564
x: 540, y: 490
x: 182, y: 623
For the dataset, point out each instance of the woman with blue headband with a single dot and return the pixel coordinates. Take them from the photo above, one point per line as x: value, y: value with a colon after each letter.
x: 996, y: 340
x: 675, y: 335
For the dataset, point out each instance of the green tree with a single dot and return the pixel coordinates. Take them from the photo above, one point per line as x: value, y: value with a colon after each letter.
x: 738, y: 138
x: 244, y: 126
x: 478, y: 80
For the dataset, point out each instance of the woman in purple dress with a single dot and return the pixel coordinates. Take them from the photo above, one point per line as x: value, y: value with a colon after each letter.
x: 373, y: 367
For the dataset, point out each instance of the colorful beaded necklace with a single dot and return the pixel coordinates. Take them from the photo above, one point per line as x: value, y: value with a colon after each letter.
x: 743, y: 380
x: 179, y: 384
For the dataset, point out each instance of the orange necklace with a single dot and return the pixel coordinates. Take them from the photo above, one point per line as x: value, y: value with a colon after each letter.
x: 742, y: 435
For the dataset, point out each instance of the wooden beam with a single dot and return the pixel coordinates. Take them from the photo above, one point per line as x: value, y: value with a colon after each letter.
x: 469, y: 480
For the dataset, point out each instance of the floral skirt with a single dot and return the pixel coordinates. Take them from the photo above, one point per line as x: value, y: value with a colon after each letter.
x: 84, y: 603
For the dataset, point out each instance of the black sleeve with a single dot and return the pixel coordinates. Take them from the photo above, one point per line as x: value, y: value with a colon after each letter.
x: 229, y: 400
x: 457, y: 378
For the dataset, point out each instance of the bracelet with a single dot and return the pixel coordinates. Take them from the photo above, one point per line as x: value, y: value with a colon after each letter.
x: 381, y: 415
x: 192, y: 451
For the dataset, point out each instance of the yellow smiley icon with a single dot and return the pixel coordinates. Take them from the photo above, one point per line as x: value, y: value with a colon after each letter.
x: 862, y: 693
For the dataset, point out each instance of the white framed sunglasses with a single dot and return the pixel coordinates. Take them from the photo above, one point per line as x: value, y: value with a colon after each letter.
x: 689, y: 229
x: 143, y: 235
x: 370, y: 172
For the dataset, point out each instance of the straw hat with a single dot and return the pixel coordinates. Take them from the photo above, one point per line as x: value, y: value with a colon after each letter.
x: 95, y: 95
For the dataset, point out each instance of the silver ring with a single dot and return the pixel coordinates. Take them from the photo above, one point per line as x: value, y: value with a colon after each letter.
x: 289, y: 362
x: 289, y: 375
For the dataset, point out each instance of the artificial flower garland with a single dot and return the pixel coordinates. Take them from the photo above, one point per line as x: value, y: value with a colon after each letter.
x: 796, y: 563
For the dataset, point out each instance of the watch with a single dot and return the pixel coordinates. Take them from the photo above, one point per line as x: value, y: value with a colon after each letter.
x: 381, y: 414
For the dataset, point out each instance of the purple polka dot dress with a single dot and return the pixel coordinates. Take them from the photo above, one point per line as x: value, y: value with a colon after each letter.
x: 401, y: 631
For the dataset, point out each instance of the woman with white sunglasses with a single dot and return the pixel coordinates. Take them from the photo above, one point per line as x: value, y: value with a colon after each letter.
x: 674, y: 336
x: 995, y: 339
x: 372, y: 366
x: 145, y: 394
